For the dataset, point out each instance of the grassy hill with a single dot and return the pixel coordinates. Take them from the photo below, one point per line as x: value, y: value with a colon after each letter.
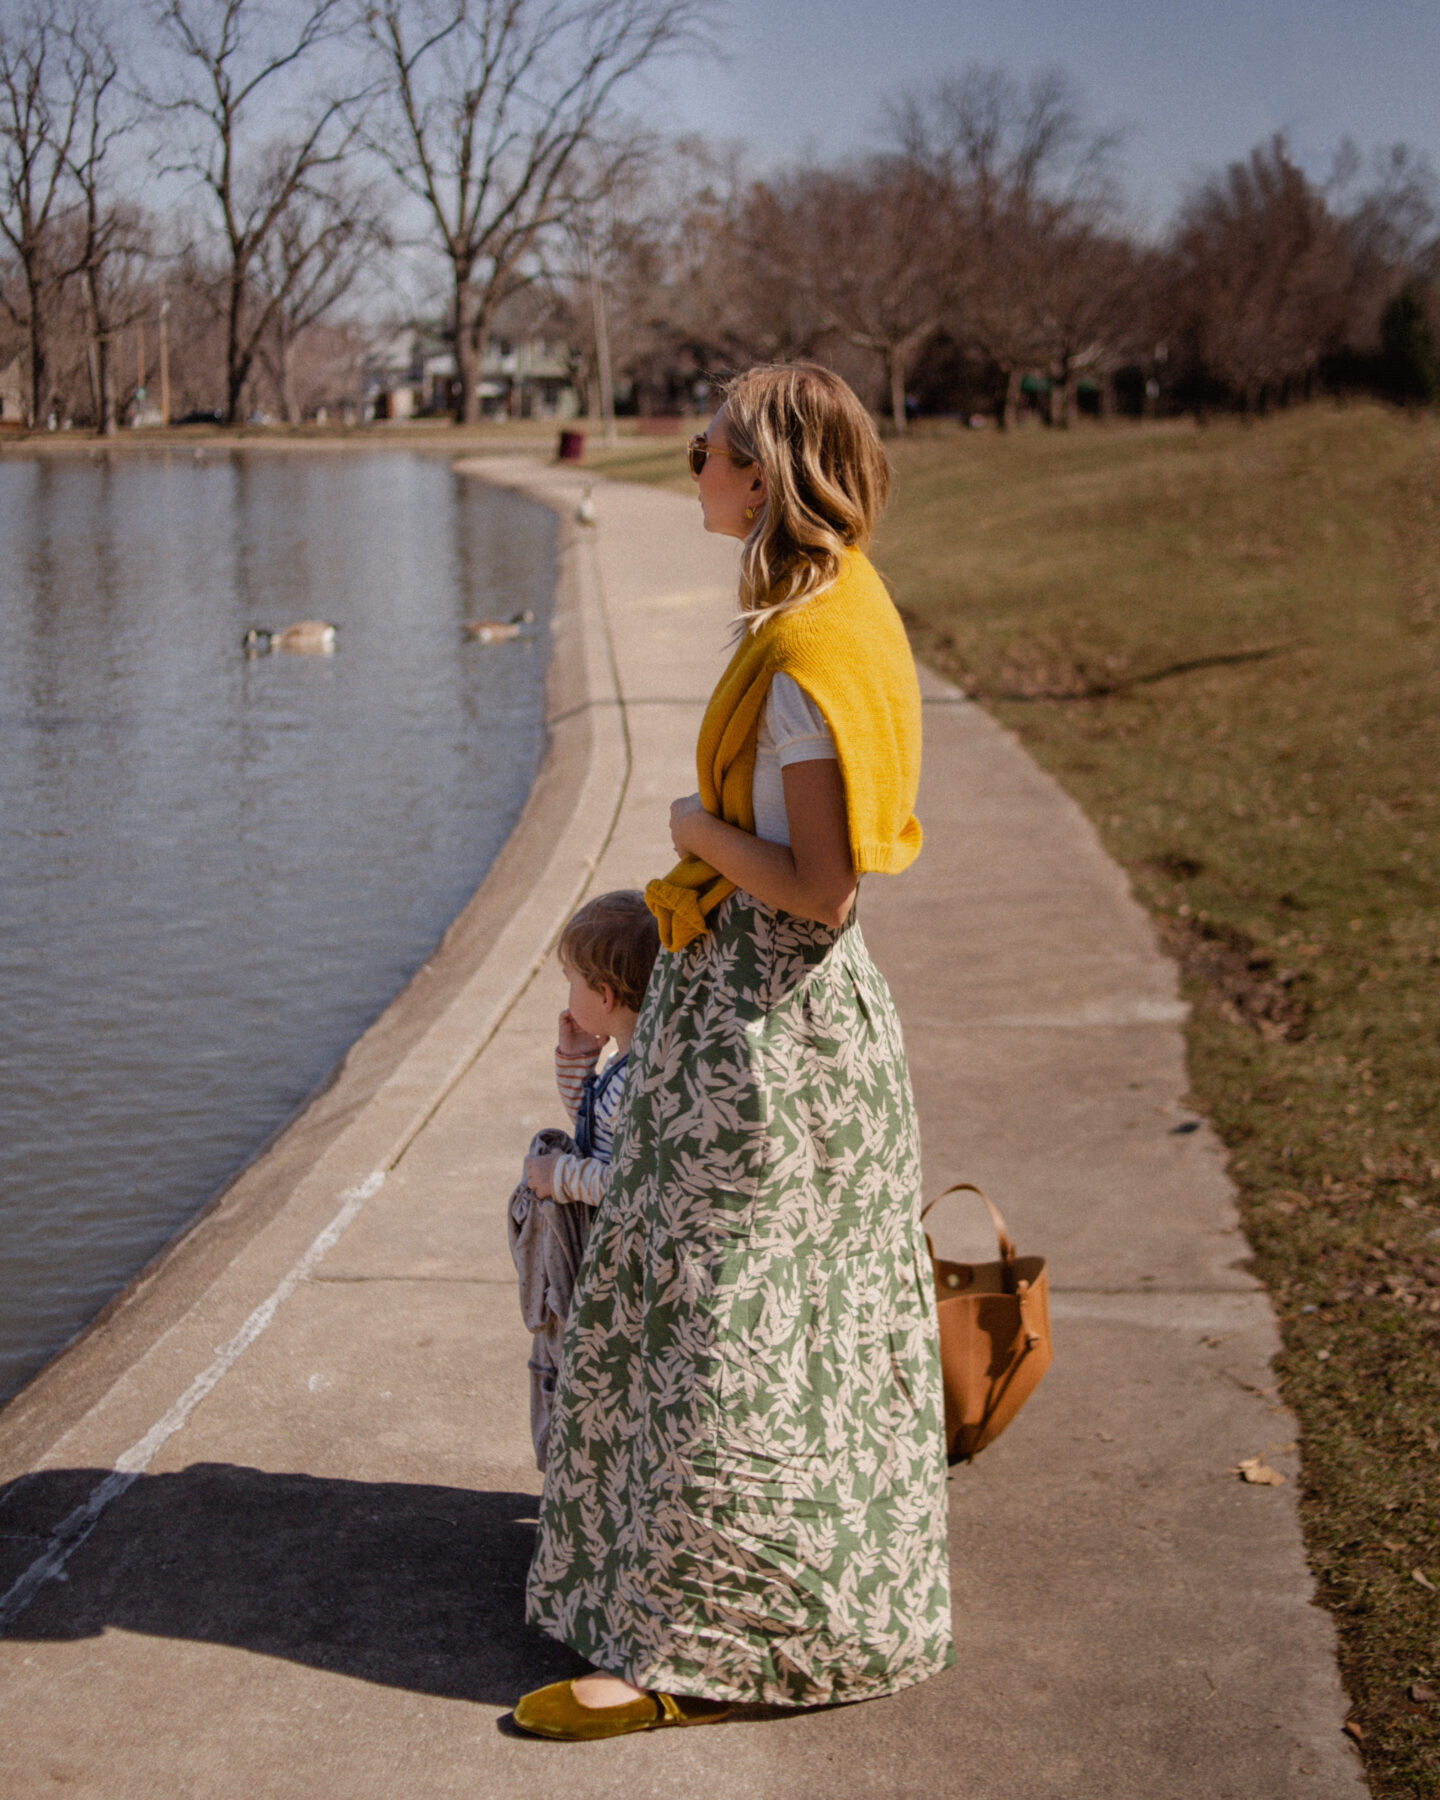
x: 1226, y: 643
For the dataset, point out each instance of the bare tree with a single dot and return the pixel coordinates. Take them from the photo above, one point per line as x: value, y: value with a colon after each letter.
x: 1028, y: 174
x: 607, y: 264
x: 115, y: 255
x: 732, y: 303
x: 40, y: 112
x: 606, y: 272
x: 493, y: 118
x: 887, y: 290
x: 236, y: 64
x: 621, y: 296
x: 1392, y: 225
x: 112, y: 238
x: 1092, y: 311
x: 1005, y: 142
x: 321, y: 246
x: 195, y: 289
x: 1395, y: 219
x: 1262, y: 275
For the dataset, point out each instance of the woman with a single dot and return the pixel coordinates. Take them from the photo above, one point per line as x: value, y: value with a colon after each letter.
x: 745, y: 1499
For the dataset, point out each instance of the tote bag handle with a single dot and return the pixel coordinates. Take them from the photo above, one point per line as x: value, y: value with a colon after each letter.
x: 1002, y: 1233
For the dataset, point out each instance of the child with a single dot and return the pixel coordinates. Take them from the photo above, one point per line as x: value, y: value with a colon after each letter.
x: 607, y: 951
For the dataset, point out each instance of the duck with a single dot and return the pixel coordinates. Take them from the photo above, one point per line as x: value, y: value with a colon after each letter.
x: 310, y: 637
x: 585, y: 511
x: 497, y: 631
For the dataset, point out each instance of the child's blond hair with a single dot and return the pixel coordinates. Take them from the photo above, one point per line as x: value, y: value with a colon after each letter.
x: 612, y: 942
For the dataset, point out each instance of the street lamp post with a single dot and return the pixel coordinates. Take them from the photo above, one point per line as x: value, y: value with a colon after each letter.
x: 602, y: 347
x: 164, y: 361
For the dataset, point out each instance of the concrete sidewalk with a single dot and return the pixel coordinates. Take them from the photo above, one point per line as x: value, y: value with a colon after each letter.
x: 267, y: 1526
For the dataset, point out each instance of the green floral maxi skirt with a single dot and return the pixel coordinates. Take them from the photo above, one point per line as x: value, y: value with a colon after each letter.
x: 746, y: 1489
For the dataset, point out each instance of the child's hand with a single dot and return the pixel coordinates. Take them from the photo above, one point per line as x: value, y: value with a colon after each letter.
x: 539, y: 1174
x: 575, y: 1042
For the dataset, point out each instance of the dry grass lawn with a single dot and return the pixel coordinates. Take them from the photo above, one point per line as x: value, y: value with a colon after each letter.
x: 1226, y: 644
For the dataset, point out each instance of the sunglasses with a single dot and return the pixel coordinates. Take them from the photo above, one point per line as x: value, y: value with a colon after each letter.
x: 698, y: 449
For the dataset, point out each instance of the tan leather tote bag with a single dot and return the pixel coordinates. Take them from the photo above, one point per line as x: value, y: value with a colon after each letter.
x: 995, y: 1339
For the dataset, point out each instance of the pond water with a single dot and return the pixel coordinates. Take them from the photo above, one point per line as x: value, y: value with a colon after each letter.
x: 214, y: 871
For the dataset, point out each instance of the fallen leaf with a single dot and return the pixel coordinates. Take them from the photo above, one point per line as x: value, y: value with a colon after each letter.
x: 1424, y: 1580
x: 1258, y: 1472
x: 1106, y: 1437
x: 1422, y: 1692
x: 1388, y: 1545
x: 1249, y: 1387
x: 1354, y: 1729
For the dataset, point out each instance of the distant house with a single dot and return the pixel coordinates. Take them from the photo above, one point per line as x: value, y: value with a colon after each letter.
x: 12, y: 392
x: 527, y: 378
x: 389, y: 378
x: 413, y: 375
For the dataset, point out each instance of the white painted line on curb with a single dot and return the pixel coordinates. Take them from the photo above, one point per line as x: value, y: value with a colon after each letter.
x: 73, y: 1530
x: 1095, y: 1014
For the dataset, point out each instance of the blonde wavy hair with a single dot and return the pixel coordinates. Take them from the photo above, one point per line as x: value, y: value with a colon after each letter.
x: 826, y: 478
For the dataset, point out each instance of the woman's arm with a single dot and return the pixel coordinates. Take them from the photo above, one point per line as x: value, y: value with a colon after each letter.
x: 812, y: 876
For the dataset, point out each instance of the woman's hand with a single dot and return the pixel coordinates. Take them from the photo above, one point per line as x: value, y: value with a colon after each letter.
x: 812, y: 876
x: 539, y: 1174
x: 680, y: 812
x: 574, y: 1040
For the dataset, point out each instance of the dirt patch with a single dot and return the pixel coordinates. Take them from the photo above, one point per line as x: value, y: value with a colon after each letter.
x: 1241, y: 979
x: 1177, y: 865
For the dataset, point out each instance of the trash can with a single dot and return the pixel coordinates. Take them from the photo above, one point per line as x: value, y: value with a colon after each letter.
x: 572, y: 446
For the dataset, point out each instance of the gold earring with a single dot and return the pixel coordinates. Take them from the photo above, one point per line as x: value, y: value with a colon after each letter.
x: 749, y: 512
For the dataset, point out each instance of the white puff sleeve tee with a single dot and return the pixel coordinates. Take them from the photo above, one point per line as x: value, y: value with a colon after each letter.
x: 792, y: 730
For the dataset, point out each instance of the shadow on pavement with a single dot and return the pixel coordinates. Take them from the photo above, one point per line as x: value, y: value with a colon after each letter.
x: 409, y: 1586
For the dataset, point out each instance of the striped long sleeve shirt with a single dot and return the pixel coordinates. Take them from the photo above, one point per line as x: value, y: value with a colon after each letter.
x: 582, y: 1178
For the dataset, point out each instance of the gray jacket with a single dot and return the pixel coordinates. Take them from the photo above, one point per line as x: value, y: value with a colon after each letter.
x: 547, y: 1242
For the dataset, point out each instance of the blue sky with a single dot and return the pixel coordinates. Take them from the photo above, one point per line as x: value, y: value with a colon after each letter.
x: 1197, y: 83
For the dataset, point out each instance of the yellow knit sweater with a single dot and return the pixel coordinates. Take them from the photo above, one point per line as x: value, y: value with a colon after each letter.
x: 847, y: 649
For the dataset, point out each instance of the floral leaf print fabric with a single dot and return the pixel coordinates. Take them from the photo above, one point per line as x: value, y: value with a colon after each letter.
x: 746, y: 1490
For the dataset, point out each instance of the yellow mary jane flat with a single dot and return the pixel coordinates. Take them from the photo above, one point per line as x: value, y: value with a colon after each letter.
x: 554, y: 1712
